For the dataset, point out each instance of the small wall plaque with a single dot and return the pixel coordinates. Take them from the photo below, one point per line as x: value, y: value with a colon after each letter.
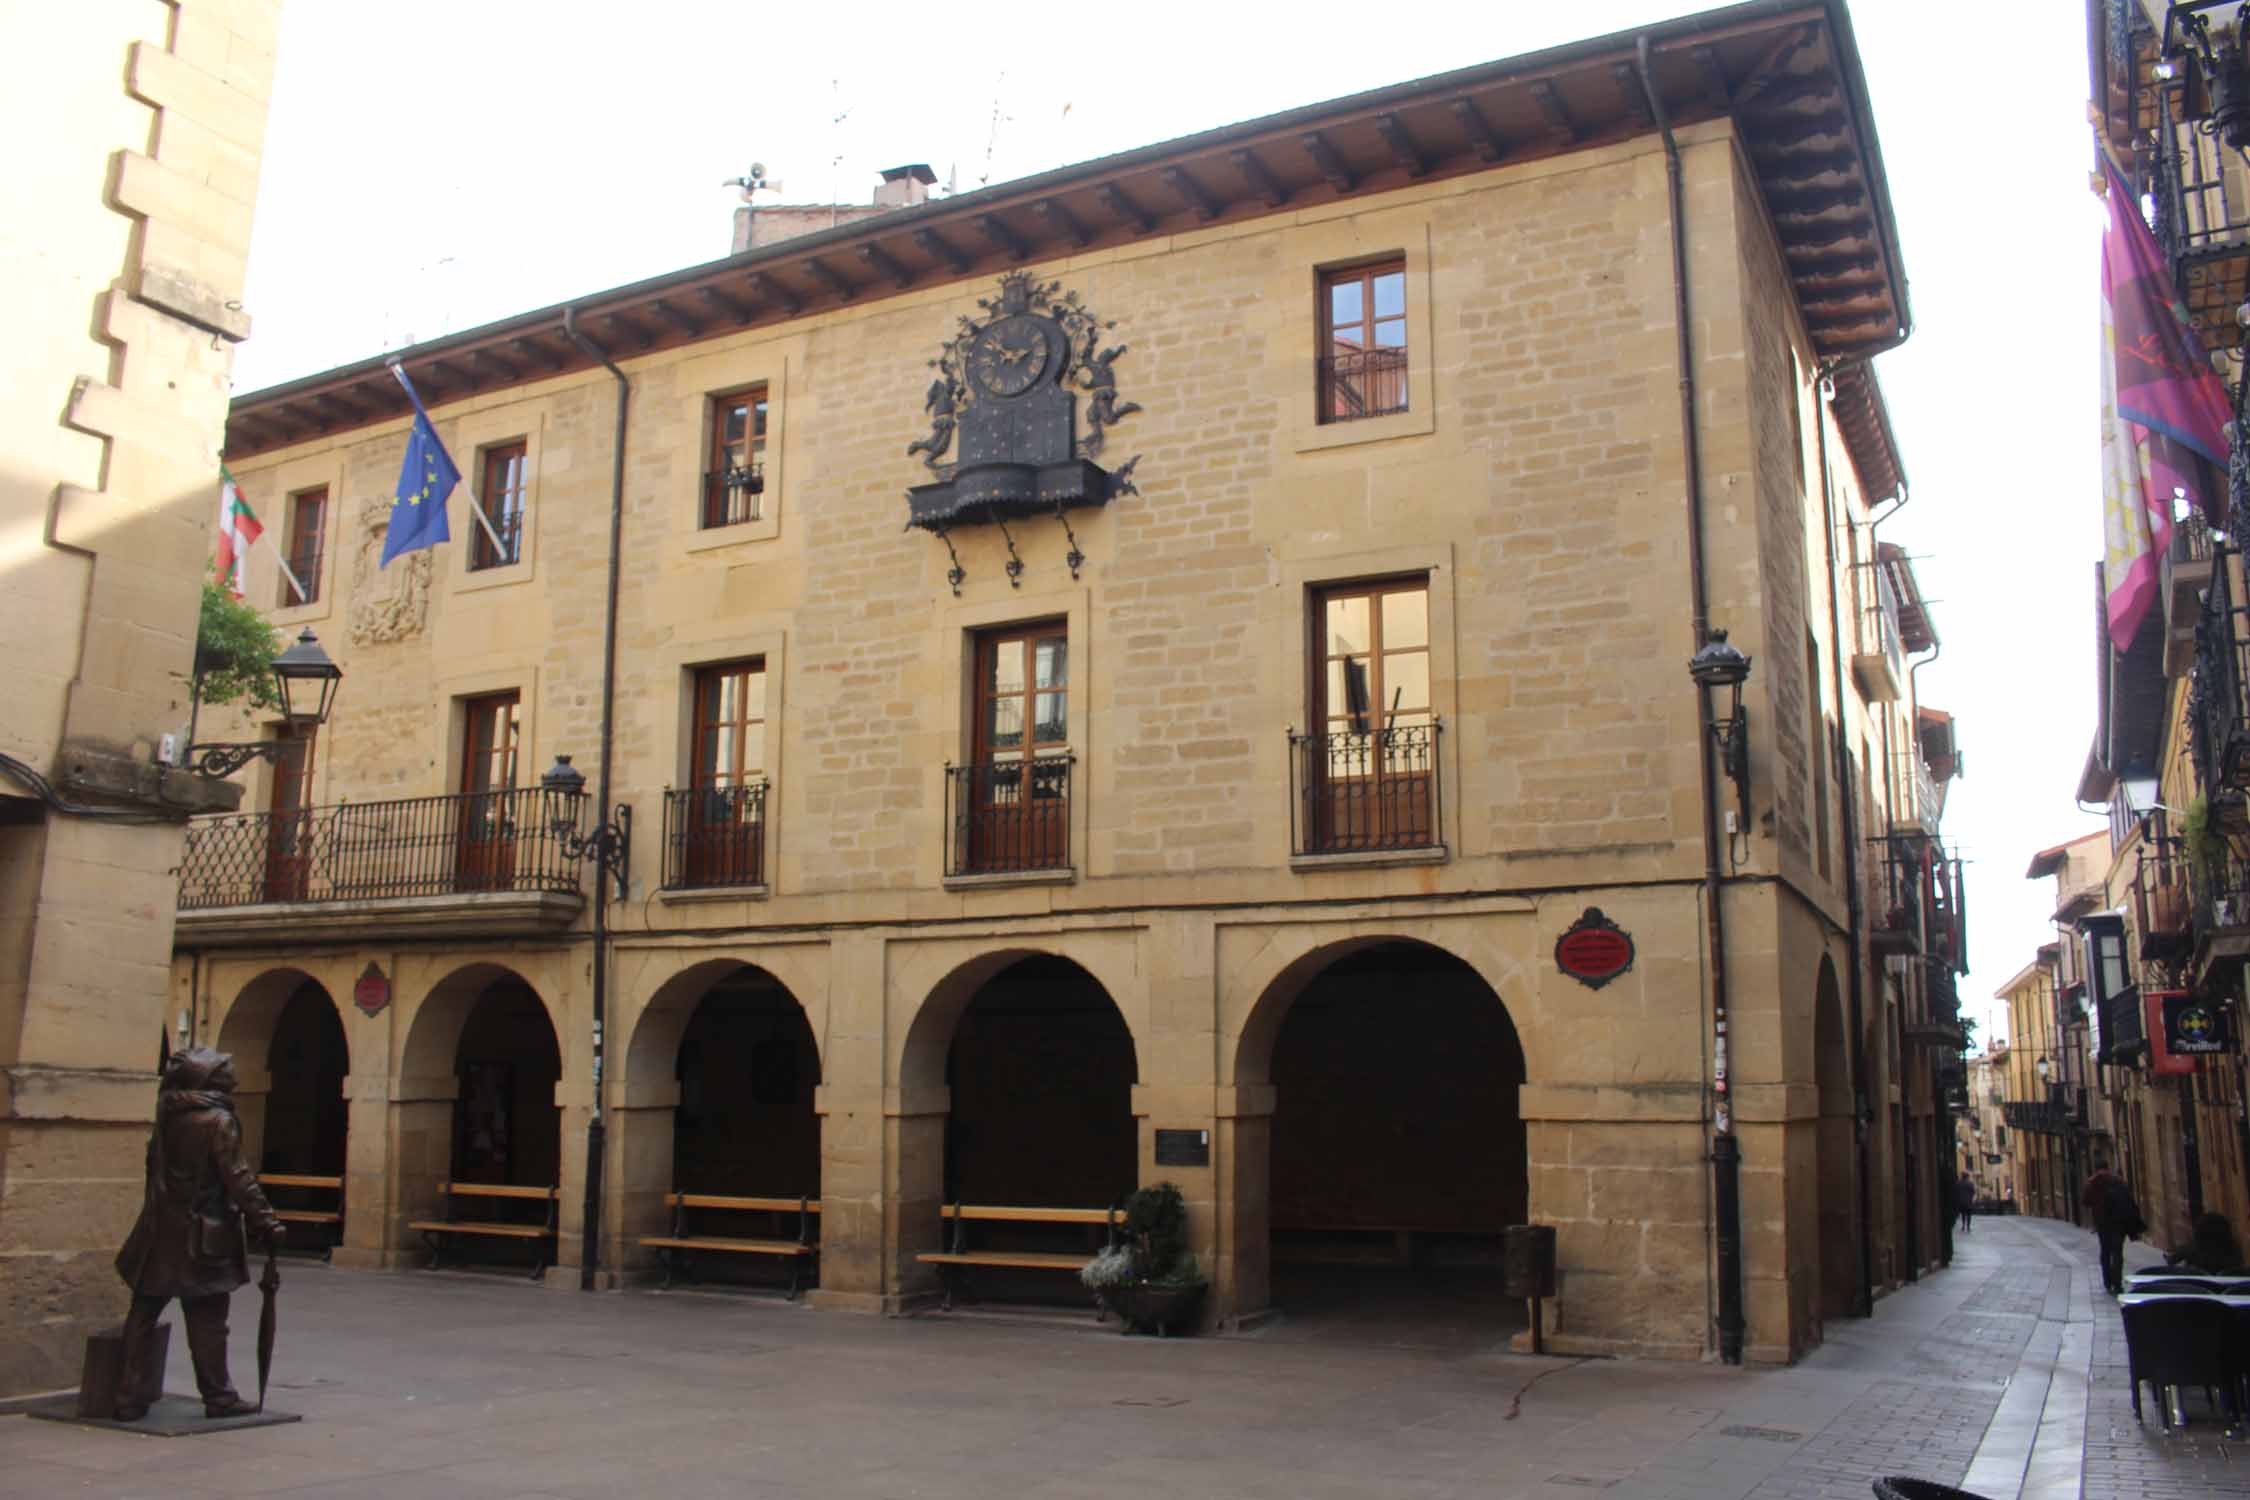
x: 372, y: 991
x: 1183, y: 1148
x: 1594, y: 950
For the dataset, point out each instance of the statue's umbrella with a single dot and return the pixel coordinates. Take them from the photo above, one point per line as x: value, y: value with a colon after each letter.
x: 269, y: 1282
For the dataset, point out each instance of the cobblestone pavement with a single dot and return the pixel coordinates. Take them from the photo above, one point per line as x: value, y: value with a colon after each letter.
x: 468, y: 1386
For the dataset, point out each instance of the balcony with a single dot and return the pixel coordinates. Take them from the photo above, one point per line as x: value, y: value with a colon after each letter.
x: 1356, y: 383
x: 2222, y: 908
x: 1374, y: 794
x: 733, y: 496
x: 2038, y: 1117
x: 1881, y: 669
x: 1918, y: 800
x: 1008, y: 818
x: 2186, y: 569
x: 2161, y: 903
x: 2124, y: 1030
x: 2218, y: 719
x: 478, y: 863
x: 715, y: 837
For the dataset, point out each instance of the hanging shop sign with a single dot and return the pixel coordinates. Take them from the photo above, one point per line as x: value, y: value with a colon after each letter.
x: 2193, y: 1026
x: 1594, y: 950
x: 371, y: 991
x: 1003, y: 407
x: 2163, y: 1058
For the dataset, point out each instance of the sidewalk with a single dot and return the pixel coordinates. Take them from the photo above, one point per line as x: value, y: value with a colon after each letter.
x: 418, y: 1385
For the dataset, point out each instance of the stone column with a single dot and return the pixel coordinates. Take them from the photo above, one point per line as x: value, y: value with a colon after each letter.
x: 1242, y: 1166
x: 420, y: 1142
x: 638, y: 1175
x: 914, y: 1191
x: 857, y: 1138
x: 253, y: 1086
x: 367, y: 1147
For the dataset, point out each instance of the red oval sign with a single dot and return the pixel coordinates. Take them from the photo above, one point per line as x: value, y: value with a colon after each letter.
x: 1594, y: 950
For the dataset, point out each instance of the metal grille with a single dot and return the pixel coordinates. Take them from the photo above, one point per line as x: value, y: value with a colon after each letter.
x: 1362, y: 383
x: 1358, y: 793
x: 715, y: 835
x: 733, y: 496
x: 1006, y: 816
x: 355, y: 851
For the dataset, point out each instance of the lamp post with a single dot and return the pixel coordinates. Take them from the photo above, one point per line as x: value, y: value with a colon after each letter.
x: 2215, y: 93
x: 305, y: 680
x: 1717, y: 664
x: 609, y: 844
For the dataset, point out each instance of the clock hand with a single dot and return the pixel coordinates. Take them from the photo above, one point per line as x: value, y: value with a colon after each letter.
x: 1015, y: 354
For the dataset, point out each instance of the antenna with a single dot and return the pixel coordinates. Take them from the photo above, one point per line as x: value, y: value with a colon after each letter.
x: 754, y: 181
x: 992, y: 138
x: 836, y: 142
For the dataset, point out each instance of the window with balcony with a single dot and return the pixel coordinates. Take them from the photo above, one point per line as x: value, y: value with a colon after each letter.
x: 487, y: 822
x: 1363, y: 342
x: 1366, y: 772
x: 305, y: 539
x: 500, y: 498
x: 1009, y: 807
x: 734, y: 478
x: 715, y: 830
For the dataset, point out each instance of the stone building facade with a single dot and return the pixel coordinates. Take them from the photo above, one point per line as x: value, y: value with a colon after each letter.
x: 1218, y: 823
x: 143, y: 126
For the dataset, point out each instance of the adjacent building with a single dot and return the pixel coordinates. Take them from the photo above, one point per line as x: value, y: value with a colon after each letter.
x: 1172, y: 669
x: 142, y: 127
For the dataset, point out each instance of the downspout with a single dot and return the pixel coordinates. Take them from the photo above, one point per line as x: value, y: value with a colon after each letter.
x: 1941, y: 1157
x: 1726, y: 1160
x: 597, y: 1129
x: 1855, y: 914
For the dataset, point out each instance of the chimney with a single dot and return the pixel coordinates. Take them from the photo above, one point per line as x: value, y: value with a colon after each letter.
x: 903, y: 187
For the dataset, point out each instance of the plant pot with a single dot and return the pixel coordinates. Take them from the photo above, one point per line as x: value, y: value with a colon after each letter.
x: 1155, y: 1309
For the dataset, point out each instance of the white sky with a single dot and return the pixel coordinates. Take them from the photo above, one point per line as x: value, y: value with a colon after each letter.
x: 435, y: 164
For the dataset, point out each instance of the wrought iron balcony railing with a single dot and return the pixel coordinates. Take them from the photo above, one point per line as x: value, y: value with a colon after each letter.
x: 734, y: 495
x: 2038, y: 1116
x: 358, y: 851
x: 1008, y: 816
x: 715, y: 836
x: 1359, y: 383
x: 2218, y: 718
x: 2161, y: 900
x: 1365, y: 793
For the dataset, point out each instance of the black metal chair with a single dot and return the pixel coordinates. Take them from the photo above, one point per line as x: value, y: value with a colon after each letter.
x: 2181, y: 1286
x: 2181, y: 1341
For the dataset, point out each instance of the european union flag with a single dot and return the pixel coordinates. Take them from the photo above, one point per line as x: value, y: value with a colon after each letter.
x: 425, y: 479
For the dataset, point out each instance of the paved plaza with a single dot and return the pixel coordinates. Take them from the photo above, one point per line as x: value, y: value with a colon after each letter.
x: 2004, y: 1375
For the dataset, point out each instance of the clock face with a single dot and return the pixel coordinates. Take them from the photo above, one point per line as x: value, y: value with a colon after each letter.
x: 1010, y: 356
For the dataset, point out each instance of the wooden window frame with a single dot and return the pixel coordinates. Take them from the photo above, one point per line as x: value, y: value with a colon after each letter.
x: 502, y: 503
x: 708, y: 682
x: 1378, y: 371
x: 485, y: 828
x: 1015, y: 817
x: 304, y: 560
x: 1370, y: 785
x: 722, y: 832
x: 726, y: 501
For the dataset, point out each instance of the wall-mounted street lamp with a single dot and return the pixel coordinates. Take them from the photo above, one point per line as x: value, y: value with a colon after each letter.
x: 610, y: 844
x: 2216, y: 91
x: 305, y: 680
x: 1720, y: 665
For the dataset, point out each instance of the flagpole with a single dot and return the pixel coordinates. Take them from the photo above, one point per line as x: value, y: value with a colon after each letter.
x: 476, y: 508
x: 283, y: 563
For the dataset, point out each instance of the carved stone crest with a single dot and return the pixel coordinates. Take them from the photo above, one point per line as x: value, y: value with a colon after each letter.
x: 388, y: 604
x: 1002, y: 403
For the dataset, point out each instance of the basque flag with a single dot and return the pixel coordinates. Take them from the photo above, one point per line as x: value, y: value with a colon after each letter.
x: 425, y: 479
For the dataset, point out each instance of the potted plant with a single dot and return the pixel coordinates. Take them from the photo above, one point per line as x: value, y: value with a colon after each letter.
x: 1150, y: 1278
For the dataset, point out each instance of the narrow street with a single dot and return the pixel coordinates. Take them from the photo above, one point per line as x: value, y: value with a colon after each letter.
x: 2004, y: 1374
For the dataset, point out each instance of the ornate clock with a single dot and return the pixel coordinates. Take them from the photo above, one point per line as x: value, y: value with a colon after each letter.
x: 1009, y: 356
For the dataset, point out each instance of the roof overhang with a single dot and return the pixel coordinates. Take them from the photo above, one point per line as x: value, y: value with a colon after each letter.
x: 1864, y: 418
x: 1787, y: 72
x: 2047, y: 861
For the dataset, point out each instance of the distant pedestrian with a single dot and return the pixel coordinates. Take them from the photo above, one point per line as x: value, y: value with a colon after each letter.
x: 1965, y: 1201
x: 2117, y: 1218
x: 2212, y: 1248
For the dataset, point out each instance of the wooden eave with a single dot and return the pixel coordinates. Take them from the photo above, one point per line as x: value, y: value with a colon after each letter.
x: 1869, y: 441
x: 1787, y: 71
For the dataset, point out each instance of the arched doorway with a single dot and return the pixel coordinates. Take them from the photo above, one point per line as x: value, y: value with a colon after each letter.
x: 1398, y: 1152
x: 475, y: 1103
x: 1037, y: 1067
x: 720, y: 1086
x: 1835, y: 1152
x: 291, y: 1056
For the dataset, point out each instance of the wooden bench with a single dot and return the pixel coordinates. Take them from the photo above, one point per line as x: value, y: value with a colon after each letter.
x: 437, y: 1231
x: 953, y: 1261
x: 308, y: 1183
x: 682, y: 1243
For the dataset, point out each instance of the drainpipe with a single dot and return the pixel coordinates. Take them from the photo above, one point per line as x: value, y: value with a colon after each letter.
x: 1854, y: 898
x: 1726, y: 1155
x: 597, y: 1129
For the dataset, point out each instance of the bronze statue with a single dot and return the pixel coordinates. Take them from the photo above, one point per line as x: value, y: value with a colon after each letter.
x: 188, y: 1242
x: 939, y: 403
